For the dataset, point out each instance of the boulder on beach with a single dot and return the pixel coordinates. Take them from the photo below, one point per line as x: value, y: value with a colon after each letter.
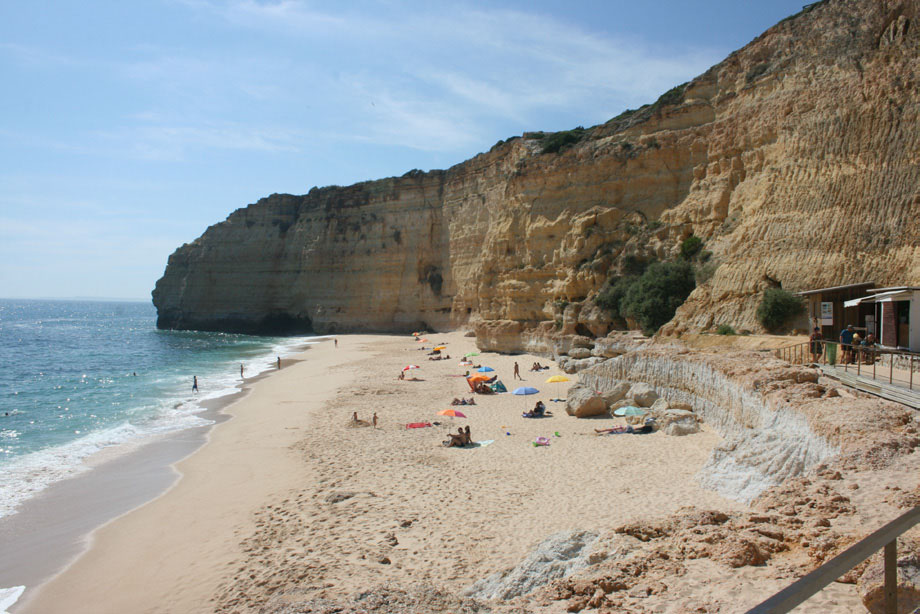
x: 644, y: 394
x: 678, y: 422
x: 616, y: 393
x: 583, y: 402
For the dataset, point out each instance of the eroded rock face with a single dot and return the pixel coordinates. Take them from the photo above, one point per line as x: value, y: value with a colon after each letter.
x: 556, y: 557
x: 769, y: 157
x: 777, y: 421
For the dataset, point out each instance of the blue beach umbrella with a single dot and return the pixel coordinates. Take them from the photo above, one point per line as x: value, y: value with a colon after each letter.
x: 525, y: 390
x: 485, y: 369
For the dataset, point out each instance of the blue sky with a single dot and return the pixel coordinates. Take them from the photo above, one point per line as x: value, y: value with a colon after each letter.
x: 127, y: 128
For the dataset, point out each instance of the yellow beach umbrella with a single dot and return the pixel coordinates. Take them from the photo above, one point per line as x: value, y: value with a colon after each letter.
x: 557, y: 378
x: 441, y: 347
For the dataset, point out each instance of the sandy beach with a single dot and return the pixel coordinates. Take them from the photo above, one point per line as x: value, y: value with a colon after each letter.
x: 288, y: 495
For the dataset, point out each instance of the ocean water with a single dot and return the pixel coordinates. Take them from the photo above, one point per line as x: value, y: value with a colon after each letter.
x: 79, y: 377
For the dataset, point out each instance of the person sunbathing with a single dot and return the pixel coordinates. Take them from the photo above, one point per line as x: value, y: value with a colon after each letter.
x: 455, y: 439
x: 402, y: 375
x: 614, y: 430
x: 467, y: 437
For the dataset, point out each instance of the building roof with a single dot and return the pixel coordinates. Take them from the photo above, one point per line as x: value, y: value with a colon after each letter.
x: 882, y: 297
x: 836, y: 288
x: 896, y: 289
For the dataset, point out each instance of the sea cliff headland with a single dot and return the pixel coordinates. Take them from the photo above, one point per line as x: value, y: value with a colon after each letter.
x: 792, y: 160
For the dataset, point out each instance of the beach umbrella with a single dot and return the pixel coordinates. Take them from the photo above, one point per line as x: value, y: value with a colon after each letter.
x: 441, y: 347
x: 525, y: 390
x: 416, y: 334
x: 478, y: 378
x: 629, y: 410
x: 557, y: 379
x: 471, y: 354
x: 411, y: 367
x: 485, y: 369
x: 453, y: 413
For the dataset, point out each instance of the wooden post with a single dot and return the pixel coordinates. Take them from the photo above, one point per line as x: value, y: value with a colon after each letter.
x: 891, y: 369
x: 911, y: 372
x: 873, y: 365
x: 891, y: 577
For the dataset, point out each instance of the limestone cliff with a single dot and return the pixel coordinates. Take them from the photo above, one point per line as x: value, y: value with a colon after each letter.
x: 796, y: 160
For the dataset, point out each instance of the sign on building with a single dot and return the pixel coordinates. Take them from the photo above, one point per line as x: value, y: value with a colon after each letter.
x: 827, y: 314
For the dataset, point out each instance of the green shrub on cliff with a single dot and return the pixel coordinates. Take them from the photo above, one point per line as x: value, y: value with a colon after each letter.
x: 690, y: 247
x: 611, y: 296
x: 778, y: 307
x: 559, y: 141
x: 656, y: 295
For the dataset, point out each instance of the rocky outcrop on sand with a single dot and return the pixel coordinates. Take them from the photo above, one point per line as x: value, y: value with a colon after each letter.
x: 788, y: 158
x: 777, y: 420
x: 558, y: 556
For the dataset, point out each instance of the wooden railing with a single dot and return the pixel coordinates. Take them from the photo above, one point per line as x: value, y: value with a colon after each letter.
x: 844, y: 355
x: 886, y: 537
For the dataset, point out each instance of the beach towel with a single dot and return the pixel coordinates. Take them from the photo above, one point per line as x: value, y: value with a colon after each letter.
x: 482, y: 444
x: 417, y: 425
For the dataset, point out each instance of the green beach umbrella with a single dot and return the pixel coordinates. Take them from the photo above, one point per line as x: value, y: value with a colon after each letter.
x: 629, y: 410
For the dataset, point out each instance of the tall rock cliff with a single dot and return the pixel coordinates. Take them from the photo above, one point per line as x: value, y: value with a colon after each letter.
x: 796, y: 160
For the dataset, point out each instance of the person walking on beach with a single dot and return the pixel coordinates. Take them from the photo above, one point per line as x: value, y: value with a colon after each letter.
x: 194, y: 383
x: 241, y: 370
x: 517, y: 372
x: 279, y: 363
x: 375, y: 420
x: 336, y: 342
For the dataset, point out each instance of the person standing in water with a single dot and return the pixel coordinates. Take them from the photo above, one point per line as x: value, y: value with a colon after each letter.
x: 241, y: 370
x: 279, y: 362
x: 194, y: 383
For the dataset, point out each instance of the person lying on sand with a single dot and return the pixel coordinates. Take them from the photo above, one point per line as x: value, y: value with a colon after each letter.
x: 614, y: 430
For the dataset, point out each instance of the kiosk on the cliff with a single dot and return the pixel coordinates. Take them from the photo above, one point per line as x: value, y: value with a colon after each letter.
x: 826, y: 309
x: 897, y: 310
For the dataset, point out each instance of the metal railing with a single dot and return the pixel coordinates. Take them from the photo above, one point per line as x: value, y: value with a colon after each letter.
x: 886, y: 537
x: 859, y: 359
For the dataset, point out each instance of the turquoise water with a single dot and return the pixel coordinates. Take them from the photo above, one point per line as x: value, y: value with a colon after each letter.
x: 77, y: 377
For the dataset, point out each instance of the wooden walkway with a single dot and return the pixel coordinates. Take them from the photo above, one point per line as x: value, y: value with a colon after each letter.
x: 892, y: 392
